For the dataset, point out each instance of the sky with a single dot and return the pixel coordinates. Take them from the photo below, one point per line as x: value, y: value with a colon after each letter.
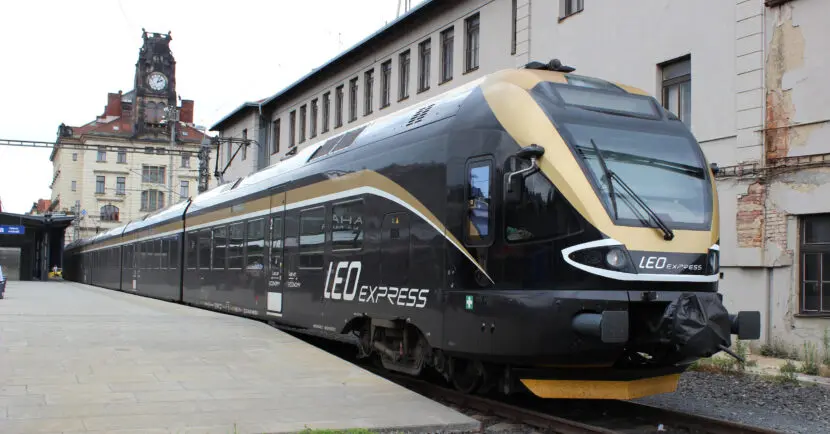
x: 59, y: 59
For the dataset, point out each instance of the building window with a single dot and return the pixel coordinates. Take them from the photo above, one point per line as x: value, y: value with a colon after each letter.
x: 313, y: 121
x: 184, y: 190
x: 471, y: 26
x: 353, y: 99
x: 185, y: 159
x: 75, y: 156
x: 369, y: 81
x: 121, y: 185
x: 302, y: 123
x: 815, y: 254
x: 423, y: 65
x: 152, y: 200
x: 403, y: 78
x: 446, y: 54
x: 74, y: 185
x: 338, y: 106
x: 102, y: 153
x: 109, y: 213
x: 99, y: 184
x: 275, y: 146
x: 122, y: 155
x: 326, y: 107
x: 569, y: 7
x: 385, y: 76
x: 677, y: 88
x: 514, y: 8
x: 152, y: 174
x: 292, y: 121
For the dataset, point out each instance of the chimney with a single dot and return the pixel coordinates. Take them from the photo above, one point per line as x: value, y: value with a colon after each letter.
x: 113, y: 104
x: 186, y: 114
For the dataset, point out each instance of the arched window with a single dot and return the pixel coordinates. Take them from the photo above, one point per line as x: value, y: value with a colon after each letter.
x: 109, y: 213
x: 152, y: 200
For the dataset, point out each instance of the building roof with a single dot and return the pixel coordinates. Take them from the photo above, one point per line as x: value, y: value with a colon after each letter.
x: 413, y: 13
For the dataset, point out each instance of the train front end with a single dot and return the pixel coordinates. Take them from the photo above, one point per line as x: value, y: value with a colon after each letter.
x: 635, y: 293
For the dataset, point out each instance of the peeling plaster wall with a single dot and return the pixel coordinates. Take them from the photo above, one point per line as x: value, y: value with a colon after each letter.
x: 797, y: 65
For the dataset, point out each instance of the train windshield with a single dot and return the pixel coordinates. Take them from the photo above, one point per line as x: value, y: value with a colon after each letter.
x: 657, y: 159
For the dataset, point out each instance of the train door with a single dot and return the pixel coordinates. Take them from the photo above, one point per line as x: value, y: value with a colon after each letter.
x: 468, y: 319
x: 395, y: 250
x: 275, y: 269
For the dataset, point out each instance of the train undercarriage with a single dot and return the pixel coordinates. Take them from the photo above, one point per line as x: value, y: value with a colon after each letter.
x: 651, y: 348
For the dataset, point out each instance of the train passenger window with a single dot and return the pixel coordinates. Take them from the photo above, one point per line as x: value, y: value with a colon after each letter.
x: 479, y: 195
x: 174, y: 252
x: 220, y: 247
x: 537, y: 210
x: 255, y: 245
x: 204, y: 249
x: 312, y: 237
x: 192, y: 255
x: 160, y: 254
x: 149, y: 255
x: 236, y: 241
x: 347, y: 226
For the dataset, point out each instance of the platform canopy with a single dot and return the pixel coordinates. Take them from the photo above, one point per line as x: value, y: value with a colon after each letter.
x: 39, y: 238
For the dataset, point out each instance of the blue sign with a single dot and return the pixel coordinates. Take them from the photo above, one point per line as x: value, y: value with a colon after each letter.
x: 12, y: 230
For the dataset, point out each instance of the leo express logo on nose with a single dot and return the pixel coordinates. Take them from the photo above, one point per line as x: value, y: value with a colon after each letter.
x: 344, y: 288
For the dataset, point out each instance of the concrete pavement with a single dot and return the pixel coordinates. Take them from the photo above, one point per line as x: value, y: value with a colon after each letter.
x: 76, y: 358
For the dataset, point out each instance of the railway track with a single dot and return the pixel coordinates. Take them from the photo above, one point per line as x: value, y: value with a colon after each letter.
x: 557, y: 416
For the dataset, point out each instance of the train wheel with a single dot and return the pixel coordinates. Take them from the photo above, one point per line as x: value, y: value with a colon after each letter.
x: 466, y: 375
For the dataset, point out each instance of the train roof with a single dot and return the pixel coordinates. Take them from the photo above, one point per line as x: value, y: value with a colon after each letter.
x: 422, y: 113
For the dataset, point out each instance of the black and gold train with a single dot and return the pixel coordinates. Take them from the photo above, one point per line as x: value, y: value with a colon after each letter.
x: 531, y: 230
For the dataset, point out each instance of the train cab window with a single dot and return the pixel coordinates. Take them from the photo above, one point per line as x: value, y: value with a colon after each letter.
x: 534, y: 209
x: 220, y: 247
x: 347, y: 226
x: 204, y: 249
x: 236, y: 242
x: 192, y: 241
x: 478, y: 198
x: 255, y: 245
x: 312, y: 237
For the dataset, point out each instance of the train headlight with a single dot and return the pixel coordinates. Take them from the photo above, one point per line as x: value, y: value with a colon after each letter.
x: 616, y: 258
x: 606, y: 257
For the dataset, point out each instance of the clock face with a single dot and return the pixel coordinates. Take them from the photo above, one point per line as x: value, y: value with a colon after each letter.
x: 157, y: 81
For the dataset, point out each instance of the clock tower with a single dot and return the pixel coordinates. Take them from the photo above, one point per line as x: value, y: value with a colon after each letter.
x: 155, y: 86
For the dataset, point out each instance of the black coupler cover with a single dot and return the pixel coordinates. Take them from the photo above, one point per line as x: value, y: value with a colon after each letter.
x: 697, y: 325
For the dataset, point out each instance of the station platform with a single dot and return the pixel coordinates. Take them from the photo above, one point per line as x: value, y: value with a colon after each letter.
x: 76, y: 358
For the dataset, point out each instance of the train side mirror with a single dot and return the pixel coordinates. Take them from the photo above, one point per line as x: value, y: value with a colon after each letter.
x: 531, y: 152
x: 715, y: 168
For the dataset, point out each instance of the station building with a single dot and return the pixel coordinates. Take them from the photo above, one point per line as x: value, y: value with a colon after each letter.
x: 107, y: 186
x: 746, y: 76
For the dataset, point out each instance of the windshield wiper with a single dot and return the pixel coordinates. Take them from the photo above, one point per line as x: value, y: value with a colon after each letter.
x: 668, y: 235
x: 608, y: 179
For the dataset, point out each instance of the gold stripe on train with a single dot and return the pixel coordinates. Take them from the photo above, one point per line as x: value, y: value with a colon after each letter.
x: 602, y: 389
x: 524, y: 120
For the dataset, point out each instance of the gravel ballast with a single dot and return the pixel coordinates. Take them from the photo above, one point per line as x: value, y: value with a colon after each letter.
x: 750, y: 399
